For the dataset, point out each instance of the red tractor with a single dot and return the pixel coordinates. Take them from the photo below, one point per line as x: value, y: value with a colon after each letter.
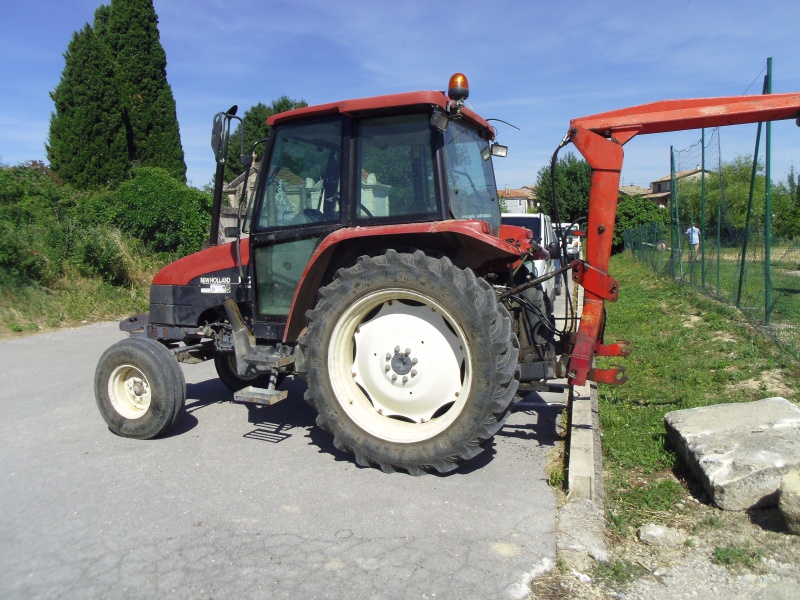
x: 371, y: 261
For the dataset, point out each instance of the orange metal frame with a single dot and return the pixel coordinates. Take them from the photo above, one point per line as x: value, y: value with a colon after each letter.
x: 600, y: 138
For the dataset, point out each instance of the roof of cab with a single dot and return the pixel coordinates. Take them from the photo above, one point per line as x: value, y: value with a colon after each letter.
x: 377, y: 103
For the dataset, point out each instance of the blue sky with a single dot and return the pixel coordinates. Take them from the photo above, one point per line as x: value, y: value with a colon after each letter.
x: 535, y: 64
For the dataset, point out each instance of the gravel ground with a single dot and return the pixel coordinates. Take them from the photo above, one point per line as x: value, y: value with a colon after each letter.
x: 764, y: 562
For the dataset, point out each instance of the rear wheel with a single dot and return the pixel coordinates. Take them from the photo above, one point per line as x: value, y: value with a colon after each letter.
x: 410, y: 362
x: 139, y: 388
x: 226, y: 369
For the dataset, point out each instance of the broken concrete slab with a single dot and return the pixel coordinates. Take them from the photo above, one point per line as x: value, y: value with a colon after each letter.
x: 739, y: 452
x: 789, y: 501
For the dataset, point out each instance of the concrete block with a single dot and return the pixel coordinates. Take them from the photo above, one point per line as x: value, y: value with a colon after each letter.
x: 789, y: 501
x: 739, y: 452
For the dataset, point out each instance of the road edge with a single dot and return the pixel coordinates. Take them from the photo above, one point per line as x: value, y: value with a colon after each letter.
x: 580, y: 527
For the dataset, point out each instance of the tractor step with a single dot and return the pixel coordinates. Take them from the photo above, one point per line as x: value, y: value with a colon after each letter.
x: 254, y: 395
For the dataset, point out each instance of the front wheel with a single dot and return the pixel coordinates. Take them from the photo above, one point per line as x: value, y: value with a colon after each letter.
x: 410, y: 362
x: 139, y: 388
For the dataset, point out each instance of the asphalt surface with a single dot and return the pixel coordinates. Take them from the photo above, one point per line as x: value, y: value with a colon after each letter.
x: 247, y: 502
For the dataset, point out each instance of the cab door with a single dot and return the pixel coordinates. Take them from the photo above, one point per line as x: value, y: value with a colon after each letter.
x: 298, y: 206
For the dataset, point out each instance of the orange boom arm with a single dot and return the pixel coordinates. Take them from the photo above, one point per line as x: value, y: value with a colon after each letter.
x: 600, y: 138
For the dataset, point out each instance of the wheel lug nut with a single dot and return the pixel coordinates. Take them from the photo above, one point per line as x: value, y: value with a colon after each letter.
x: 413, y: 372
x: 408, y: 351
x: 405, y: 378
x: 414, y: 361
x: 394, y: 377
x: 388, y: 356
x: 386, y: 369
x: 397, y: 348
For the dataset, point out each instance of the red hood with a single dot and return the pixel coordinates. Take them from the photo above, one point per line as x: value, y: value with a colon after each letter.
x: 211, y: 260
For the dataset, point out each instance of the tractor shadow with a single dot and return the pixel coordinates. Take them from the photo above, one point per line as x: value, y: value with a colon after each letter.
x: 531, y: 420
x: 535, y: 417
x: 272, y: 422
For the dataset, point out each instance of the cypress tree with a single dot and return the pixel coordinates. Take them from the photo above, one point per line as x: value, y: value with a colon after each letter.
x: 87, y: 141
x: 148, y: 106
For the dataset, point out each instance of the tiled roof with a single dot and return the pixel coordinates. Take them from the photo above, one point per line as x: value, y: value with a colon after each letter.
x: 633, y: 190
x: 517, y: 193
x: 679, y: 175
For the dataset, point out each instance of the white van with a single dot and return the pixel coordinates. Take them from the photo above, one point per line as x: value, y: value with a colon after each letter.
x: 545, y: 236
x: 573, y: 242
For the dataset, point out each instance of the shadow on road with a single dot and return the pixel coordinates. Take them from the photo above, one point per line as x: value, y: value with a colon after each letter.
x: 277, y: 423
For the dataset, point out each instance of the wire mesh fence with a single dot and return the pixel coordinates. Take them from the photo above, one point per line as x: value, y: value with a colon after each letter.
x: 738, y: 265
x: 729, y: 231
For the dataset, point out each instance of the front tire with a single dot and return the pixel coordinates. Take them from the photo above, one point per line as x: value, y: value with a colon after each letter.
x: 410, y: 362
x: 139, y: 388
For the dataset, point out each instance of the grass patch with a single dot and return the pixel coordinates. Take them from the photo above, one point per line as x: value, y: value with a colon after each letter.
x: 73, y: 300
x: 688, y: 350
x: 645, y: 501
x: 617, y: 572
x: 738, y: 556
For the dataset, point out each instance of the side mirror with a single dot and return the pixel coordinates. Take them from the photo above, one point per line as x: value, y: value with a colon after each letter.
x: 554, y: 248
x: 220, y: 131
x: 217, y: 136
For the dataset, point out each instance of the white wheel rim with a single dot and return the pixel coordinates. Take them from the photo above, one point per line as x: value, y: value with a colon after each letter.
x: 129, y: 391
x: 399, y: 366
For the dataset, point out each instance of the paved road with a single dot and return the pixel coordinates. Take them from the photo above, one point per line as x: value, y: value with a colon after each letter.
x: 246, y: 502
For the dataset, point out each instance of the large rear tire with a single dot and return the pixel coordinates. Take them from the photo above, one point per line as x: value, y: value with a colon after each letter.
x: 139, y: 388
x: 410, y: 362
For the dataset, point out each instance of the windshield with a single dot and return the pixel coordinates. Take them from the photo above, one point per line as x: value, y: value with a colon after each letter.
x: 470, y: 176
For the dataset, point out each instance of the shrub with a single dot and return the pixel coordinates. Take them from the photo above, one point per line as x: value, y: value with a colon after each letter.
x: 165, y: 214
x: 100, y: 253
x: 37, y: 223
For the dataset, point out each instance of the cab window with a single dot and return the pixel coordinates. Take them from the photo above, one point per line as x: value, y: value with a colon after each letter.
x: 303, y: 176
x: 395, y: 168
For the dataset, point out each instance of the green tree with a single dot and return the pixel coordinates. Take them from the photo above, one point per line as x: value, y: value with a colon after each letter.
x: 727, y: 195
x: 113, y: 106
x: 87, y: 141
x: 633, y: 211
x: 573, y: 180
x: 255, y: 128
x: 148, y: 106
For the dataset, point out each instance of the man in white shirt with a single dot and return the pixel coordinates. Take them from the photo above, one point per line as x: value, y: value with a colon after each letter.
x: 693, y: 233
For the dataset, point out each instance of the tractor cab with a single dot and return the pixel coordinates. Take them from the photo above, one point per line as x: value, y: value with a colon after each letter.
x: 383, y: 168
